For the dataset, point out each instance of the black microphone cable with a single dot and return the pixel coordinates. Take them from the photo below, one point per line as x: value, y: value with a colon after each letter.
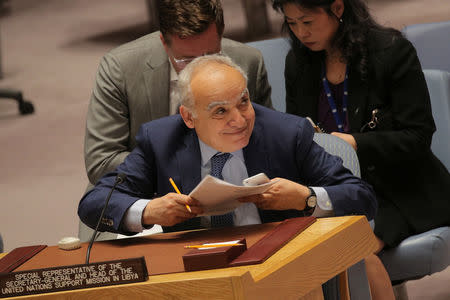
x: 119, y: 179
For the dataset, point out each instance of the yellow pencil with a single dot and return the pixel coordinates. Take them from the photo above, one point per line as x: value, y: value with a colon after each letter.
x: 178, y: 191
x: 211, y: 246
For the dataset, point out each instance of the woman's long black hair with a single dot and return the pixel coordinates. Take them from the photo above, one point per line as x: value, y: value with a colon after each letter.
x: 351, y: 37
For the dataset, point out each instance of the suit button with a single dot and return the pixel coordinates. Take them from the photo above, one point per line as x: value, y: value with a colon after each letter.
x: 371, y: 168
x: 356, y: 111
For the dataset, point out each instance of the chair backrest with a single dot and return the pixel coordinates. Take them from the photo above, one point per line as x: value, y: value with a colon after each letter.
x: 357, y: 278
x: 274, y: 52
x: 432, y: 42
x: 337, y: 146
x: 1, y: 244
x: 439, y: 87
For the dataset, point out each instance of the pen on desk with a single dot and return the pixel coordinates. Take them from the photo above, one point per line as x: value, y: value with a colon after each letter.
x: 211, y: 246
x: 178, y: 191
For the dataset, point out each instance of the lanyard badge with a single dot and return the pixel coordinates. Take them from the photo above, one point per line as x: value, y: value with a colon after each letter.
x: 338, y: 118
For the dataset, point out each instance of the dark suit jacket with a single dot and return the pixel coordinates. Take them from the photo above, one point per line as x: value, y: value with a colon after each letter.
x: 281, y: 145
x: 411, y: 184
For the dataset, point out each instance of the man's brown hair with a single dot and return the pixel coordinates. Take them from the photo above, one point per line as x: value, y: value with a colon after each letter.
x: 186, y: 18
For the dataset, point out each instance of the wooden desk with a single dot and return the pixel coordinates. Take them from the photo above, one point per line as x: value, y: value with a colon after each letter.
x: 296, y: 271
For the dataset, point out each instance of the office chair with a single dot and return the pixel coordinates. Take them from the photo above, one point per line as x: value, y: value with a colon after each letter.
x: 25, y: 107
x: 438, y: 83
x: 429, y: 252
x: 274, y: 52
x: 338, y: 147
x: 357, y: 278
x: 432, y: 44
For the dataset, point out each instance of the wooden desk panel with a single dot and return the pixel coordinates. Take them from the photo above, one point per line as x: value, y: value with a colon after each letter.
x: 163, y: 252
x: 325, y: 249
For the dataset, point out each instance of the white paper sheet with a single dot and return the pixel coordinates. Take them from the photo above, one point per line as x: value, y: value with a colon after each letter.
x: 219, y: 197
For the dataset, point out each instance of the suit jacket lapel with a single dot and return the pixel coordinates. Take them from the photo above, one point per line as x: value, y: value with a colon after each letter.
x: 189, y: 162
x: 357, y: 100
x: 255, y: 154
x: 158, y: 88
x: 308, y: 90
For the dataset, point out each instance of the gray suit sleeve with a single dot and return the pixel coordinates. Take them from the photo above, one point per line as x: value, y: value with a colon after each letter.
x: 263, y: 89
x: 107, y: 123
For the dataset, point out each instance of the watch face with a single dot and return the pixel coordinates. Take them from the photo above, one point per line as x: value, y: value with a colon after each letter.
x: 312, y: 201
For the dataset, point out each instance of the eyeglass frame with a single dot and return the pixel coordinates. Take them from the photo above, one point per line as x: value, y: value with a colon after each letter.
x: 183, y: 62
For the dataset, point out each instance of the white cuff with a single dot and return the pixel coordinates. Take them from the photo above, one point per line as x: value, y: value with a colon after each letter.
x: 132, y: 221
x: 324, y: 206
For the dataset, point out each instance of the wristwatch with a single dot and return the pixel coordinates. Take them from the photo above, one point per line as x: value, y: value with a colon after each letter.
x: 311, y: 200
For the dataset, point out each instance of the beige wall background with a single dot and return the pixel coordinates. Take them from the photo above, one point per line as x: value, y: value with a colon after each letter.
x: 50, y: 51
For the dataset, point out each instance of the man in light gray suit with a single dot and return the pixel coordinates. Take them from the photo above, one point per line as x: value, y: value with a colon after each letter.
x: 134, y: 81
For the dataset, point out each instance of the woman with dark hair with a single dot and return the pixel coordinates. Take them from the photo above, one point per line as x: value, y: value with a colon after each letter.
x: 363, y: 83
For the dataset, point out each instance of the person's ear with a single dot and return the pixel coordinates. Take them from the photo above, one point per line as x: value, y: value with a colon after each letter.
x: 338, y: 8
x: 164, y: 42
x: 187, y: 117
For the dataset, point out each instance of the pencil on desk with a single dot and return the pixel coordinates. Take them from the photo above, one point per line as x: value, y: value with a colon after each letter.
x: 178, y: 191
x: 211, y: 246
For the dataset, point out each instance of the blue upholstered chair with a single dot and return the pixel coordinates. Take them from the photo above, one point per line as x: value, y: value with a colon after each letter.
x: 432, y: 42
x: 429, y: 252
x: 337, y: 146
x: 274, y: 52
x: 439, y: 87
x: 357, y: 278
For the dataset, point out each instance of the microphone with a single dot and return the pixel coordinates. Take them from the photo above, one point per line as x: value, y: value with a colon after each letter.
x: 121, y: 177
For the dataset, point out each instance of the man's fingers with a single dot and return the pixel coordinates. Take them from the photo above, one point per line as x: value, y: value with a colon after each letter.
x: 251, y: 198
x: 193, y: 201
x: 186, y: 201
x: 265, y: 201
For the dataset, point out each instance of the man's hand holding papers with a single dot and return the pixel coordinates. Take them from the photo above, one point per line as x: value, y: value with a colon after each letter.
x: 218, y: 197
x: 283, y: 194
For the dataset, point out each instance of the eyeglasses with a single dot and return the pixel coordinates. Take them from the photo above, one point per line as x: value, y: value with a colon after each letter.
x: 183, y: 62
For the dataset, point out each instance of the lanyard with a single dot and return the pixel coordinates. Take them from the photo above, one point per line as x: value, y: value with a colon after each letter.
x: 337, y: 117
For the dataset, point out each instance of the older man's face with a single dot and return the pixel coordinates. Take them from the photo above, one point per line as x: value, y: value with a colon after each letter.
x: 224, y: 114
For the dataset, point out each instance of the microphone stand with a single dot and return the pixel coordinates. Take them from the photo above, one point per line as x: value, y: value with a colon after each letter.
x: 119, y: 179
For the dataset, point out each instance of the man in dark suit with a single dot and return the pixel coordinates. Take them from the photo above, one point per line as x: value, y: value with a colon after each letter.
x: 135, y: 80
x: 216, y: 119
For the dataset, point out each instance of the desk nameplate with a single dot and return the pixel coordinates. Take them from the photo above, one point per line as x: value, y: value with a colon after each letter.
x: 73, y: 277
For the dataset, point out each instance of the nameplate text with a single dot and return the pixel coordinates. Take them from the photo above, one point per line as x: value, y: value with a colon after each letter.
x: 73, y: 277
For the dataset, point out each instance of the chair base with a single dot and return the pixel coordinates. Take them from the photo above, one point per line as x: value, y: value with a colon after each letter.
x: 25, y: 107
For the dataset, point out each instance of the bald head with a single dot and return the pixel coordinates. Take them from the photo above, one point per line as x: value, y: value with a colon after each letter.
x: 203, y: 67
x: 216, y: 103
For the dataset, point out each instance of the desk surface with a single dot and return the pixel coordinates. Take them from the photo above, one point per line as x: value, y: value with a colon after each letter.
x: 325, y: 249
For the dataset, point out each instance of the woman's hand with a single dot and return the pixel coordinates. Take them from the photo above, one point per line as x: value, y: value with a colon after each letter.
x: 346, y: 137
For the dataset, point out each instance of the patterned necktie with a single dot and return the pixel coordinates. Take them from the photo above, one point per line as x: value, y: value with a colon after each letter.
x: 217, y: 163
